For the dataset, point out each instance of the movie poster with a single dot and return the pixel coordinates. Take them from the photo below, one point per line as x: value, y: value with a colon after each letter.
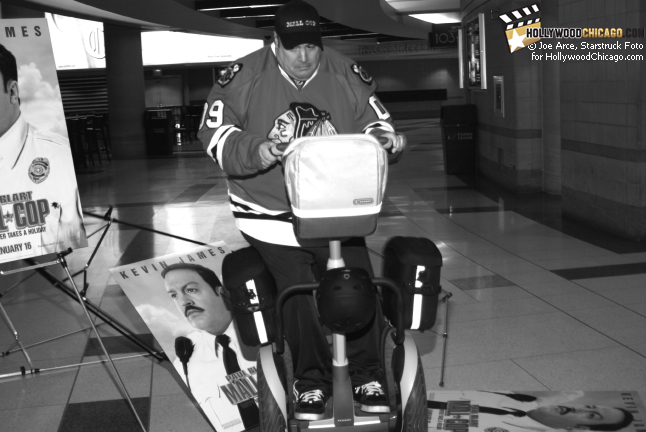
x: 475, y: 411
x: 40, y: 210
x: 473, y: 45
x: 179, y: 298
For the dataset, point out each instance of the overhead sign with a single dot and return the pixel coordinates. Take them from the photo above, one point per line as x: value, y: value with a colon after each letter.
x: 444, y: 36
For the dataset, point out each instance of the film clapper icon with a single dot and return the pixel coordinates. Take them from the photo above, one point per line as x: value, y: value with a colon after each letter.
x: 516, y: 23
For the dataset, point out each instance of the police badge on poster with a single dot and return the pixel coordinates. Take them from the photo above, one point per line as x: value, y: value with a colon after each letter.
x: 539, y: 411
x: 179, y: 297
x: 40, y: 211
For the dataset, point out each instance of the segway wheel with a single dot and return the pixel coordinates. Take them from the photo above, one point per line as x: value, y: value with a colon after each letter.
x: 271, y: 416
x: 415, y: 415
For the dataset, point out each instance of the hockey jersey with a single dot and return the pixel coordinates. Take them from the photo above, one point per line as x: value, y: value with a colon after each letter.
x: 255, y: 101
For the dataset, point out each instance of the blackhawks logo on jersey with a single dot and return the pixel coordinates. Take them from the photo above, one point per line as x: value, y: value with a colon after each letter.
x: 302, y: 119
x: 39, y: 170
x: 226, y: 76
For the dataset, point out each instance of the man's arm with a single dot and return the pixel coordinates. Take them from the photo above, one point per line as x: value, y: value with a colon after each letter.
x: 384, y: 128
x: 371, y: 114
x: 235, y: 150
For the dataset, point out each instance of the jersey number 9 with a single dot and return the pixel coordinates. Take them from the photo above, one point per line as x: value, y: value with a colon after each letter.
x: 215, y: 116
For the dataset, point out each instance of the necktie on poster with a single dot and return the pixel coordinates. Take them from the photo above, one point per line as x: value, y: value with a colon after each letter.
x: 241, y: 383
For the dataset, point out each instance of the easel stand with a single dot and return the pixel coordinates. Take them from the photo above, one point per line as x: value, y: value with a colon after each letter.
x: 60, y: 284
x: 79, y: 296
x: 61, y: 260
x: 445, y: 335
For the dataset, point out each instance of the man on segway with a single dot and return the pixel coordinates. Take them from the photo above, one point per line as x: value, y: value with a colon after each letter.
x: 286, y: 90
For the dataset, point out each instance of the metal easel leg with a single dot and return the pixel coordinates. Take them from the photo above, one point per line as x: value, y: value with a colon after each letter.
x: 61, y: 260
x: 445, y: 335
x: 16, y: 337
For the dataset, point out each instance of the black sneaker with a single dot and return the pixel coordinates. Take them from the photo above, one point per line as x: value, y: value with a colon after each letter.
x: 310, y: 405
x: 371, y: 398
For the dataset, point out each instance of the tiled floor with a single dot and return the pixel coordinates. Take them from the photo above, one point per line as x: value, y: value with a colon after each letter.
x: 539, y: 302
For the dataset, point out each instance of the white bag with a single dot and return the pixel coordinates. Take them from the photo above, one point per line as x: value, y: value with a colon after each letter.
x: 335, y: 184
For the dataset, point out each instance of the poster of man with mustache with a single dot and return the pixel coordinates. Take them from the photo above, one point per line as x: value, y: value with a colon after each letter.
x: 179, y: 297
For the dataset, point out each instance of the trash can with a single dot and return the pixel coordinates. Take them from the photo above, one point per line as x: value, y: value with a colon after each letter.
x: 159, y: 132
x: 459, y: 124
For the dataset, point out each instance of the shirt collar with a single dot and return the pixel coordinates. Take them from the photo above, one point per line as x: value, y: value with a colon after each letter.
x: 293, y: 81
x: 13, y: 142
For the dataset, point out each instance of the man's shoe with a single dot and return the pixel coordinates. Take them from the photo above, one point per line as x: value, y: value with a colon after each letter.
x: 310, y: 405
x: 371, y: 398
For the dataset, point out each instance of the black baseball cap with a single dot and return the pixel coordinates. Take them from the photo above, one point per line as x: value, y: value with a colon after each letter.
x: 298, y: 23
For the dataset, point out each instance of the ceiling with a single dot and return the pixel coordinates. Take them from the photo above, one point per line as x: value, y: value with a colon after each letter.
x: 346, y: 20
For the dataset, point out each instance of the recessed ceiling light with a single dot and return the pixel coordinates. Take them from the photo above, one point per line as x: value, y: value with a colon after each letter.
x: 239, y: 7
x: 439, y: 18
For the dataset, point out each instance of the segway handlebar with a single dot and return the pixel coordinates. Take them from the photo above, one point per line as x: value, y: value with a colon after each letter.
x: 281, y: 147
x: 280, y: 299
x: 398, y: 337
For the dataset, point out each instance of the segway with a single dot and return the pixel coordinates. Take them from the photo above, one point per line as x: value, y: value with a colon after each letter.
x: 347, y: 298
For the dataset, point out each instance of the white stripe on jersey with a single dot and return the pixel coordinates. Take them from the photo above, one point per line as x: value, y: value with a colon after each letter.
x: 215, y: 139
x: 222, y: 143
x: 218, y: 140
x: 379, y: 125
x: 257, y: 209
x: 269, y: 231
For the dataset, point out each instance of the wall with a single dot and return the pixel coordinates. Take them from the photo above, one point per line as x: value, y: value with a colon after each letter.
x: 163, y: 91
x: 196, y: 81
x: 199, y: 81
x: 391, y: 75
x: 417, y: 74
x: 510, y: 148
x: 603, y: 124
x: 576, y: 127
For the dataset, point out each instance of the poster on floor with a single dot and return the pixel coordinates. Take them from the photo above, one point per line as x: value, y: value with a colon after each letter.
x: 179, y: 297
x: 488, y: 411
x: 40, y: 209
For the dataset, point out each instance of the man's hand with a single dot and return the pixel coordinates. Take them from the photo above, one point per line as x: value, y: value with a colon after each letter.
x: 269, y: 154
x: 396, y: 141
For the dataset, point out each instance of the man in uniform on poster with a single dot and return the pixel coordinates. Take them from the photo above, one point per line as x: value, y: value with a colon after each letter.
x: 38, y: 190
x: 197, y: 293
